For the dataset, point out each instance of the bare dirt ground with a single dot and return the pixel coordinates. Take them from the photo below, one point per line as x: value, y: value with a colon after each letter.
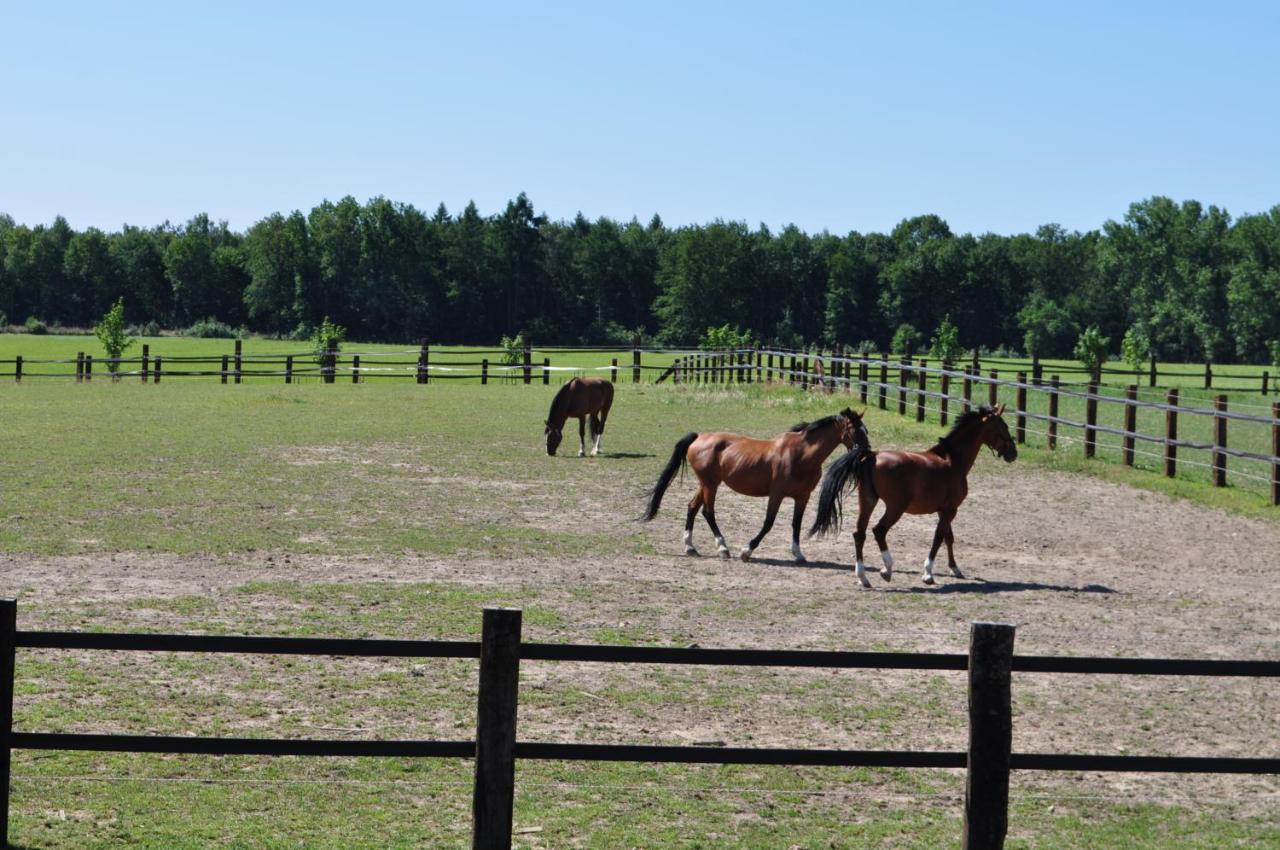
x: 1081, y: 566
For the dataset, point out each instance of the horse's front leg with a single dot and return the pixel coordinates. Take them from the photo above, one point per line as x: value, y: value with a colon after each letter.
x: 796, y: 520
x: 771, y: 513
x: 951, y: 555
x: 694, y: 504
x: 582, y: 436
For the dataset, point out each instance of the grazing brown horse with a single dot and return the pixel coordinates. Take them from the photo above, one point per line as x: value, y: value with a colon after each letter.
x: 787, y: 467
x: 926, y: 482
x: 589, y: 399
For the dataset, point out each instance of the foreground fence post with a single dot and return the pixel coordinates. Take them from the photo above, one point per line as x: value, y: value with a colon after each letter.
x: 8, y: 628
x: 288, y: 369
x: 88, y: 367
x: 223, y: 373
x: 1171, y: 434
x: 484, y: 371
x: 146, y: 362
x: 1219, y: 442
x: 946, y: 393
x: 966, y: 388
x: 902, y: 385
x: 884, y: 379
x: 862, y: 381
x: 159, y: 367
x: 239, y: 359
x: 546, y: 371
x: 17, y: 368
x: 613, y: 370
x: 1152, y: 373
x: 986, y: 793
x: 921, y: 387
x: 1091, y: 419
x: 1054, y: 381
x: 494, y: 796
x: 1130, y: 422
x: 355, y: 369
x: 79, y: 366
x: 527, y: 356
x: 635, y: 360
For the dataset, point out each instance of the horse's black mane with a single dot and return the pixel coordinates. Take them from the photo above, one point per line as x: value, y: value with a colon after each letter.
x: 560, y: 394
x: 816, y: 425
x: 943, y: 447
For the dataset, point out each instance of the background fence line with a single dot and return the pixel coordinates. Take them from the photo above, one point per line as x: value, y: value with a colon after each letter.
x: 990, y: 663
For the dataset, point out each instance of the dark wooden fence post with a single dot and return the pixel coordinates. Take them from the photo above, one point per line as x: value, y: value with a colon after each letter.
x: 986, y: 793
x: 546, y: 371
x: 223, y: 373
x: 884, y: 379
x: 902, y: 385
x: 1275, y: 453
x: 922, y: 378
x: 946, y: 393
x: 1091, y: 419
x: 791, y: 371
x: 79, y: 366
x: 421, y: 376
x: 1266, y: 376
x: 484, y: 371
x: 1130, y: 422
x: 635, y: 360
x: 977, y: 364
x: 768, y: 369
x: 88, y: 367
x: 494, y: 796
x: 159, y: 367
x: 527, y: 361
x: 288, y: 369
x: 8, y: 641
x: 425, y: 356
x: 239, y: 362
x: 1171, y: 434
x: 330, y: 365
x: 862, y: 380
x: 1053, y: 411
x: 1020, y: 409
x: 1036, y: 370
x: 759, y: 366
x: 1219, y: 442
x: 804, y: 375
x: 993, y: 389
x: 1152, y: 373
x: 613, y: 370
x: 146, y: 362
x: 355, y: 369
x: 966, y: 388
x: 1208, y: 374
x: 17, y: 368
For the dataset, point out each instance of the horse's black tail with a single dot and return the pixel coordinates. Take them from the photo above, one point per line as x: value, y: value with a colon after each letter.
x: 849, y: 470
x: 679, y: 457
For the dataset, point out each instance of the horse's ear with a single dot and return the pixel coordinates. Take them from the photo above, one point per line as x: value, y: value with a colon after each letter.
x: 1000, y: 410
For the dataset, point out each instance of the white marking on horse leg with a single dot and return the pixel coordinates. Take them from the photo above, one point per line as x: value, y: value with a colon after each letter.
x: 860, y: 570
x: 724, y: 548
x: 688, y: 544
x: 927, y: 578
x: 887, y: 572
x: 746, y: 553
x: 796, y: 553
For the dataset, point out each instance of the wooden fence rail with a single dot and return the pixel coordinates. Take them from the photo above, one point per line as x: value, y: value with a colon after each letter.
x: 988, y: 760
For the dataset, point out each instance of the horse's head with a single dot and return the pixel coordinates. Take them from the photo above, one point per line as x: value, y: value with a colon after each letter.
x: 553, y: 438
x: 995, y: 435
x: 855, y: 431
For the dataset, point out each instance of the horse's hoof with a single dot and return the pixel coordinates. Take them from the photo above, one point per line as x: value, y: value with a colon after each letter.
x: 691, y: 552
x: 801, y: 559
x: 887, y: 575
x: 860, y: 572
x: 927, y: 579
x: 745, y: 555
x: 726, y: 554
x: 582, y: 454
x: 955, y: 572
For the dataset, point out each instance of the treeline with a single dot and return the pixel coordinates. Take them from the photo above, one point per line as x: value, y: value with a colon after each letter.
x: 1186, y: 278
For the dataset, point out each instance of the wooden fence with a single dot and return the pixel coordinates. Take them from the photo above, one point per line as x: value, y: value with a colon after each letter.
x: 988, y: 760
x: 918, y: 388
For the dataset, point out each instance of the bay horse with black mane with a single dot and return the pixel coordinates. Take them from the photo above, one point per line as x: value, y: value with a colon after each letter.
x: 589, y: 399
x: 788, y: 466
x: 928, y: 482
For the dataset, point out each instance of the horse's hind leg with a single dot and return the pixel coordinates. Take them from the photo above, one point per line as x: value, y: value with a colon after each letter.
x: 582, y: 436
x: 597, y: 433
x: 796, y: 519
x: 694, y: 504
x: 771, y: 513
x: 865, y: 506
x: 892, y: 513
x: 951, y: 555
x: 709, y: 514
x: 939, y: 534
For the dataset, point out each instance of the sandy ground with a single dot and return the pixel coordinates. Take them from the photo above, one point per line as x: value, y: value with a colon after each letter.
x: 1081, y: 566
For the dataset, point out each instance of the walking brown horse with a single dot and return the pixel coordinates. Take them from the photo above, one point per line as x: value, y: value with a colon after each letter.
x: 787, y: 467
x: 926, y: 482
x: 589, y: 399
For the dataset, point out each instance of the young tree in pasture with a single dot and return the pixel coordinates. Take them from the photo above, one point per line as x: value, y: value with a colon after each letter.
x: 945, y: 345
x: 1135, y: 348
x: 110, y: 331
x: 1092, y: 350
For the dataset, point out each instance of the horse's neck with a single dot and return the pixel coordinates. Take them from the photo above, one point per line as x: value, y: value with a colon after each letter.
x: 559, y: 411
x: 825, y: 443
x: 964, y: 448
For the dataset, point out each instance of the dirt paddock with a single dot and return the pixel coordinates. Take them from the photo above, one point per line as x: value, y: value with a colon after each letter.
x: 1081, y: 566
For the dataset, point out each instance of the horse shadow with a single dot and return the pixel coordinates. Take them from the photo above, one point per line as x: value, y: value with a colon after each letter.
x: 626, y: 455
x: 807, y: 565
x: 982, y: 585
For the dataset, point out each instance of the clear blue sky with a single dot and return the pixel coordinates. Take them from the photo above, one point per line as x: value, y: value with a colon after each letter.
x: 838, y: 116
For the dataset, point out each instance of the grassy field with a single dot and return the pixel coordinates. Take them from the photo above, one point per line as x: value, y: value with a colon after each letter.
x: 311, y: 510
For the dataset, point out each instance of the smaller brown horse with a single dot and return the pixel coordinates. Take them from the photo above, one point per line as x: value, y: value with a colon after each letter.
x: 926, y: 482
x: 787, y: 467
x: 589, y: 399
